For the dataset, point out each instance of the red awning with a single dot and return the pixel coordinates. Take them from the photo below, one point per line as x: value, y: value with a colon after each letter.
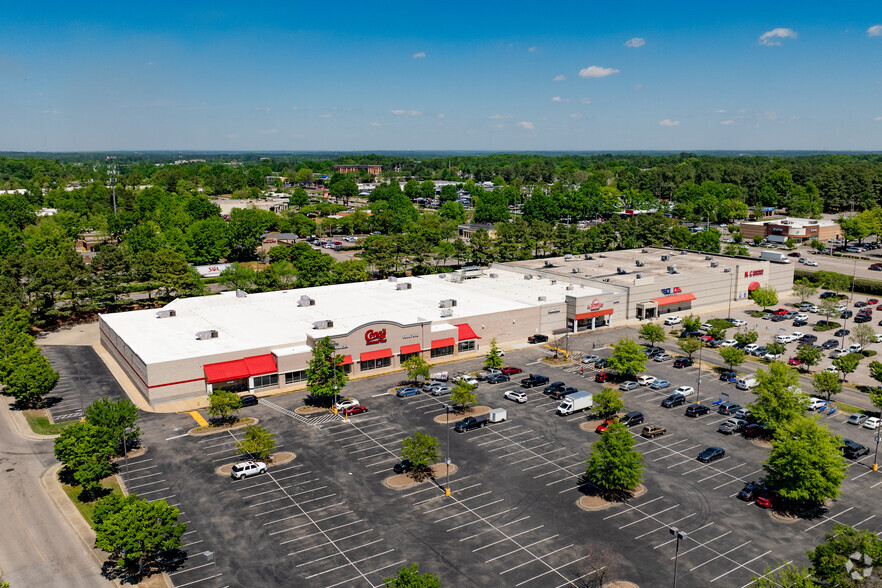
x: 238, y: 369
x: 588, y: 315
x: 443, y: 343
x: 376, y: 354
x: 465, y: 332
x: 347, y: 360
x: 415, y: 348
x: 753, y: 286
x: 674, y: 299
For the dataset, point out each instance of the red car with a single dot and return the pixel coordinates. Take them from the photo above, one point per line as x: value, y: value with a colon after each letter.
x: 602, y: 427
x: 753, y: 430
x: 357, y: 409
x: 766, y: 499
x: 510, y: 370
x: 873, y: 301
x: 879, y: 307
x: 602, y: 376
x: 794, y: 361
x: 780, y: 311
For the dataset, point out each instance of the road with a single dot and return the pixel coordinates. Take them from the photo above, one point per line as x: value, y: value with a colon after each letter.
x: 37, y: 546
x: 835, y: 264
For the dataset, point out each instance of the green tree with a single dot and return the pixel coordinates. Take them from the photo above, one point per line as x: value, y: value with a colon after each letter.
x: 847, y: 364
x: 757, y: 239
x: 135, y: 532
x: 493, y: 358
x: 827, y: 308
x: 809, y: 355
x: 223, y: 406
x: 31, y: 377
x: 463, y: 395
x: 732, y: 356
x: 775, y: 348
x: 325, y: 376
x: 689, y: 345
x: 826, y: 384
x: 691, y: 323
x: 615, y: 467
x: 778, y: 397
x: 627, y: 357
x: 607, y: 402
x: 746, y: 338
x: 85, y: 450
x: 829, y: 558
x: 258, y: 442
x: 298, y: 198
x: 787, y: 576
x: 765, y: 296
x: 410, y: 577
x: 862, y: 334
x: 804, y: 289
x: 805, y: 465
x: 416, y: 367
x: 422, y: 452
x: 652, y: 333
x: 117, y: 416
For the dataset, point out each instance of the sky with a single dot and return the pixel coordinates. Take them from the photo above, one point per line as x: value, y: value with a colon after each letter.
x: 487, y: 75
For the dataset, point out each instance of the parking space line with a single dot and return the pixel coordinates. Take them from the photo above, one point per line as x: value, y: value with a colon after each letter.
x: 744, y: 477
x: 678, y: 453
x: 739, y: 566
x: 770, y: 572
x: 340, y: 514
x: 286, y: 495
x: 721, y: 472
x: 380, y: 569
x: 717, y: 555
x: 533, y: 544
x: 260, y: 514
x: 489, y: 516
x: 152, y: 491
x: 190, y: 569
x: 825, y: 518
x: 665, y: 526
x: 703, y: 544
x: 129, y: 478
x: 349, y: 564
x: 329, y: 542
x: 554, y: 570
x: 524, y: 518
x: 547, y: 461
x: 508, y: 538
x: 325, y: 531
x: 631, y: 508
x: 274, y: 481
x: 660, y: 447
x: 312, y: 561
x: 163, y: 481
x: 649, y: 516
x: 199, y: 580
x: 691, y: 533
x: 308, y: 512
x: 470, y: 510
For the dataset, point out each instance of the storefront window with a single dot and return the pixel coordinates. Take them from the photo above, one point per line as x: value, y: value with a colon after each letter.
x: 373, y: 364
x: 467, y: 346
x: 294, y: 377
x: 406, y: 356
x: 442, y: 351
x: 266, y: 381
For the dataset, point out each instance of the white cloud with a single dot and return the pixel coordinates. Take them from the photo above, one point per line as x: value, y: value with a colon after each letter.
x: 419, y: 55
x: 638, y: 87
x: 635, y: 42
x: 773, y: 38
x: 526, y: 125
x: 878, y: 119
x: 51, y: 111
x: 532, y: 49
x: 499, y: 116
x: 577, y: 115
x: 399, y: 112
x: 268, y: 131
x: 232, y: 136
x: 373, y: 124
x: 295, y: 108
x: 585, y: 101
x: 720, y: 111
x: 324, y: 116
x: 559, y: 99
x: 442, y: 115
x: 150, y: 63
x: 559, y: 78
x: 669, y: 123
x: 595, y: 71
x: 728, y: 122
x: 874, y: 31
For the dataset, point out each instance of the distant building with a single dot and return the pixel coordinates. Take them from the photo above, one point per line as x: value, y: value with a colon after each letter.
x: 354, y: 169
x: 466, y: 231
x: 798, y: 229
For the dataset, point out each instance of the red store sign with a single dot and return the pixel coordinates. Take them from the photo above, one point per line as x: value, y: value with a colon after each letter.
x: 372, y: 337
x: 595, y: 304
x: 753, y: 273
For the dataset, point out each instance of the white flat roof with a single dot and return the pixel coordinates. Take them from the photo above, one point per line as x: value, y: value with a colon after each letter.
x: 273, y: 319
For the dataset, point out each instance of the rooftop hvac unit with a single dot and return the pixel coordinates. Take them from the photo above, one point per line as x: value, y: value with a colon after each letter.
x: 638, y: 276
x: 708, y: 257
x: 393, y: 279
x: 639, y: 263
x: 714, y: 264
x: 446, y: 312
x: 325, y: 324
x: 570, y: 287
x: 548, y: 264
x: 682, y: 253
x: 447, y: 303
x: 588, y: 256
x: 205, y: 335
x: 403, y: 286
x: 528, y: 276
x: 672, y: 269
x: 665, y: 257
x: 576, y: 270
x: 644, y: 251
x: 603, y: 256
x: 166, y: 313
x: 494, y: 275
x: 542, y: 299
x: 305, y: 301
x: 621, y: 270
x: 241, y: 294
x: 553, y: 282
x: 726, y: 270
x: 568, y: 257
x: 455, y: 278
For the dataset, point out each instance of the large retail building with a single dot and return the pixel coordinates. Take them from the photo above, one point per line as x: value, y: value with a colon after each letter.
x: 263, y: 342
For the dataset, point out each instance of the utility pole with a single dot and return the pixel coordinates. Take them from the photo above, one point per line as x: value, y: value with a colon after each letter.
x: 112, y: 171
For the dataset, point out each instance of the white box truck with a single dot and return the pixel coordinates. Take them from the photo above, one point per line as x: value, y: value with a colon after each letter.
x: 575, y: 403
x: 497, y: 415
x: 774, y: 256
x: 746, y: 383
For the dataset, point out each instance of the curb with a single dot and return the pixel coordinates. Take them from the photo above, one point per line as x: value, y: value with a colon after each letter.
x: 21, y: 426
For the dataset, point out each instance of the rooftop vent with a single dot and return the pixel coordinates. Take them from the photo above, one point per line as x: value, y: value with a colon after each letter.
x: 639, y: 263
x: 638, y: 276
x: 446, y: 312
x: 588, y: 256
x: 548, y: 264
x: 665, y: 257
x: 708, y: 257
x: 393, y: 279
x: 644, y: 251
x: 621, y: 270
x: 682, y: 253
x: 542, y: 299
x: 570, y: 287
x: 205, y: 335
x: 528, y: 276
x: 305, y: 301
x: 447, y: 303
x: 241, y: 294
x: 325, y: 324
x: 494, y: 275
x: 403, y: 286
x: 602, y: 255
x: 553, y: 282
x: 166, y: 313
x: 568, y: 257
x: 714, y: 264
x: 672, y: 269
x: 576, y: 270
x: 726, y: 270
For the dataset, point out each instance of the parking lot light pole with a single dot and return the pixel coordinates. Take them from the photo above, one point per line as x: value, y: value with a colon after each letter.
x: 876, y: 455
x: 680, y: 535
x: 698, y: 381
x: 129, y: 431
x: 447, y: 458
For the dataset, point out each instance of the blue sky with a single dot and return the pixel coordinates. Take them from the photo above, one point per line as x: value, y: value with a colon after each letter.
x: 501, y: 76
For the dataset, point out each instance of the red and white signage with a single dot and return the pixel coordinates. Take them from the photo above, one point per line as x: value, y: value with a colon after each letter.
x: 753, y: 273
x: 595, y: 304
x: 372, y: 337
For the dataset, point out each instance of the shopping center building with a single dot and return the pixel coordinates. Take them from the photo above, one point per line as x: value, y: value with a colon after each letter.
x: 263, y: 342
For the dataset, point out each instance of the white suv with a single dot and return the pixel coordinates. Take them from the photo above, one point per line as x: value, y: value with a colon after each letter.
x: 246, y: 469
x: 673, y: 320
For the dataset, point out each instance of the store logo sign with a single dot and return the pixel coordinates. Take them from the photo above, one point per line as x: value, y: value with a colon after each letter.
x: 753, y: 273
x: 595, y: 304
x: 372, y: 337
x: 669, y: 291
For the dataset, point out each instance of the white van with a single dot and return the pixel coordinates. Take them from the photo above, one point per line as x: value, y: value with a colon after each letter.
x: 746, y: 383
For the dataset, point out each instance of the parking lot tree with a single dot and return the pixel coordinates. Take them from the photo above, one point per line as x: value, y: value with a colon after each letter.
x: 862, y: 334
x: 736, y: 249
x: 805, y: 465
x: 85, y: 451
x: 804, y: 289
x: 827, y: 308
x: 258, y: 442
x: 689, y: 345
x: 732, y: 356
x: 136, y: 532
x: 416, y: 367
x: 809, y: 355
x: 786, y: 576
x: 615, y: 467
x: 876, y: 374
x: 826, y: 384
x: 607, y: 402
x: 847, y: 364
x: 691, y: 323
x: 422, y: 450
x: 325, y: 376
x: 627, y: 357
x: 765, y: 296
x: 493, y: 359
x: 410, y: 577
x: 223, y: 406
x: 462, y: 396
x: 746, y: 338
x: 118, y: 416
x: 829, y: 559
x: 776, y: 348
x: 30, y: 378
x: 652, y: 333
x: 778, y: 397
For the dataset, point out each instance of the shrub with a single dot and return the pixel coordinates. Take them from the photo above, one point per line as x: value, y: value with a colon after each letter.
x: 825, y: 326
x: 721, y: 324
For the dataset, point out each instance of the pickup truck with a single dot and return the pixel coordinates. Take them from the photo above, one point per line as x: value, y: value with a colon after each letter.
x: 534, y: 380
x: 469, y: 423
x: 650, y: 431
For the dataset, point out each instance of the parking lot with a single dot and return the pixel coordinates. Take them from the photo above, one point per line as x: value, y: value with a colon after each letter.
x: 83, y: 379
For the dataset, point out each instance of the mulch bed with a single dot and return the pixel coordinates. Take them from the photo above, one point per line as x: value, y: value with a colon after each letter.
x: 589, y: 426
x: 275, y: 459
x: 240, y: 424
x: 310, y: 409
x: 453, y: 417
x: 597, y: 502
x: 404, y: 481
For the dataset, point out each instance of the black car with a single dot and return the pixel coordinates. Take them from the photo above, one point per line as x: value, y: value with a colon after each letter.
x: 728, y: 376
x: 778, y: 318
x: 600, y: 363
x: 860, y: 304
x: 673, y: 400
x: 846, y: 314
x: 632, y: 418
x: 853, y: 450
x: 402, y: 466
x: 750, y: 491
x: 694, y: 410
x: 248, y: 400
x: 828, y: 295
x: 711, y: 453
x: 800, y: 323
x: 498, y: 378
x: 862, y: 318
x: 537, y: 339
x: 830, y: 344
x: 554, y: 387
x: 842, y: 333
x: 809, y: 338
x: 682, y: 362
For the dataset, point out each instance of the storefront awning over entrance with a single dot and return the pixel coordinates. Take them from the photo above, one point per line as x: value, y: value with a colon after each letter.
x: 596, y: 313
x: 237, y: 369
x: 777, y: 238
x: 466, y: 333
x: 675, y: 299
x: 347, y: 360
x: 443, y: 343
x: 376, y: 354
x: 415, y: 348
